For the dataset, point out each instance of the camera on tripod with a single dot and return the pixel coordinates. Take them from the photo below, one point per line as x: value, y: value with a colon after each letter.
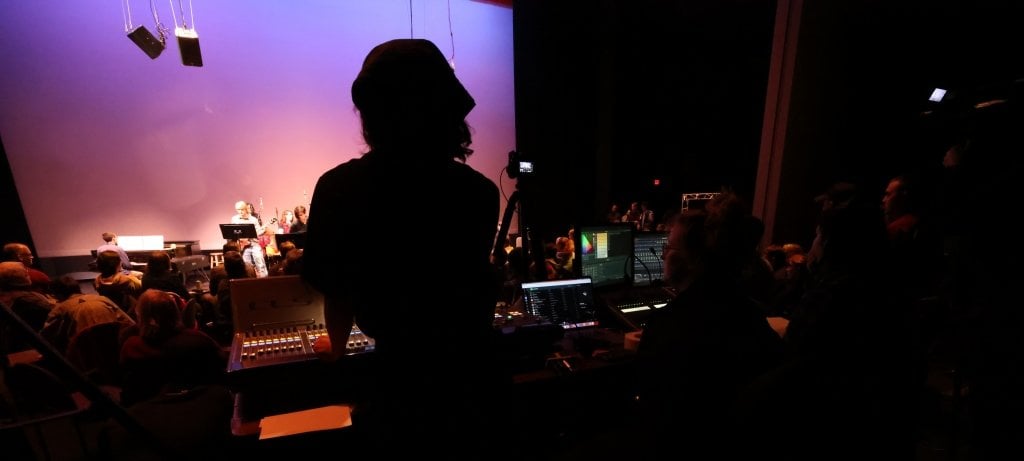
x: 519, y: 165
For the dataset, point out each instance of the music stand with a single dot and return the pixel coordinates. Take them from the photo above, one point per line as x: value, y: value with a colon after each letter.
x: 238, y: 231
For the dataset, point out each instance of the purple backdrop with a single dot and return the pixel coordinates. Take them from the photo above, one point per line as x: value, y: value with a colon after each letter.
x: 100, y: 137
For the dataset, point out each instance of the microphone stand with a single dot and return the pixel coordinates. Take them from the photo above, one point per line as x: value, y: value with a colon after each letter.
x: 650, y: 278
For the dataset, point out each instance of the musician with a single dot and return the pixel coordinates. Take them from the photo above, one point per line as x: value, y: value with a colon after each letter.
x: 252, y: 252
x: 110, y: 244
x: 285, y: 224
x: 299, y: 223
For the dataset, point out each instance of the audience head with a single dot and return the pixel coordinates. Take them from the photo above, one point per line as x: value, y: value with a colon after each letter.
x: 954, y: 156
x: 410, y: 101
x: 899, y: 198
x: 65, y: 287
x: 853, y: 235
x: 159, y: 263
x: 159, y: 314
x: 18, y: 252
x: 717, y: 242
x: 685, y: 252
x: 286, y: 247
x: 14, y: 276
x: 231, y: 245
x: 234, y: 265
x: 108, y: 262
x: 293, y: 262
x: 109, y: 237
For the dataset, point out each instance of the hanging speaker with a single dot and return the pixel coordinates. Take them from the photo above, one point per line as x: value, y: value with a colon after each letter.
x: 145, y: 40
x: 188, y: 43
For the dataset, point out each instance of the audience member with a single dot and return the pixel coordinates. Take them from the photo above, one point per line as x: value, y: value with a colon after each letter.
x: 219, y: 321
x: 22, y: 253
x: 16, y: 293
x: 852, y: 376
x: 114, y: 284
x: 698, y: 353
x: 159, y: 276
x: 166, y: 357
x: 413, y: 111
x: 916, y: 245
x: 76, y: 311
x: 614, y: 215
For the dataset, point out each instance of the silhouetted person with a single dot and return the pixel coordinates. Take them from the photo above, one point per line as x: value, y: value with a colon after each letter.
x: 428, y: 392
x: 711, y: 341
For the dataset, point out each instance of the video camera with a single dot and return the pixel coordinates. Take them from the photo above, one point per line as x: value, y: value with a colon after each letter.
x: 519, y: 165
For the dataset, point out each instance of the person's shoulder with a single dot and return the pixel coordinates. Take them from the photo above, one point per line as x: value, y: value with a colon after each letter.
x: 350, y: 166
x: 476, y: 177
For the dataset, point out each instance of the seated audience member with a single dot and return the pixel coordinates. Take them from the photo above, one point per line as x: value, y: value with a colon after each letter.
x: 219, y: 322
x: 277, y: 268
x: 76, y: 311
x: 110, y: 244
x: 159, y: 276
x: 16, y: 293
x: 293, y: 263
x: 165, y: 356
x: 220, y: 272
x: 114, y: 284
x: 22, y: 253
x: 916, y: 246
x: 852, y: 374
x: 698, y: 353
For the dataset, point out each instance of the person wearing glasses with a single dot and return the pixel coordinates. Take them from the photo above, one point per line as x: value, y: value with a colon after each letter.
x: 710, y: 341
x: 19, y: 252
x: 252, y: 252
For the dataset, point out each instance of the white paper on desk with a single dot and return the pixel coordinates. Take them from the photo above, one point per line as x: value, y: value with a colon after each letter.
x: 317, y: 419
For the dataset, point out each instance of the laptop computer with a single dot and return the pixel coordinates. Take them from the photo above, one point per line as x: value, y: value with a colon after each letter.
x: 607, y: 254
x: 568, y: 303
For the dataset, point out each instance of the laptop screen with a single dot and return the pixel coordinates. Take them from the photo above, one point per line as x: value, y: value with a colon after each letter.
x: 605, y: 254
x: 569, y: 303
x: 647, y: 266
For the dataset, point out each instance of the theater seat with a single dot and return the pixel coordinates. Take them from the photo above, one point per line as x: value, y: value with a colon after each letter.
x: 96, y: 352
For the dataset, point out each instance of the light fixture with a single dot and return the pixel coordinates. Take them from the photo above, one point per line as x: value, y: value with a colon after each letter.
x: 188, y: 37
x: 141, y: 36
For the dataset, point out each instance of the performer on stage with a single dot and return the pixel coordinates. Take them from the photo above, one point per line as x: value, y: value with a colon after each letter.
x: 252, y: 252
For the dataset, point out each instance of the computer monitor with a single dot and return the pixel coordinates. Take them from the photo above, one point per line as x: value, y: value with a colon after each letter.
x: 647, y: 264
x: 604, y: 252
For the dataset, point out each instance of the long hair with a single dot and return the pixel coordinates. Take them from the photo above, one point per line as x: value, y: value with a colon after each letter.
x: 411, y: 103
x: 159, y: 315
